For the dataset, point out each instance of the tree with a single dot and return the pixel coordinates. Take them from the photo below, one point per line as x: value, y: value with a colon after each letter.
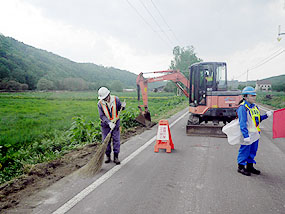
x: 75, y: 84
x: 4, y: 72
x: 94, y: 86
x: 58, y: 84
x: 170, y: 87
x: 11, y: 85
x: 183, y: 58
x: 24, y: 87
x: 278, y: 87
x: 116, y: 86
x: 240, y: 87
x: 44, y: 84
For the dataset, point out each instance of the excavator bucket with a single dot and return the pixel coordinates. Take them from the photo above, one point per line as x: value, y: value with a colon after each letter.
x: 144, y: 119
x: 210, y: 130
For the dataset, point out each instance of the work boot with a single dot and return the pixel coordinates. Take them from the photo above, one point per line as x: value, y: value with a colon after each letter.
x: 251, y: 169
x: 243, y: 170
x: 116, y: 159
x: 108, y: 159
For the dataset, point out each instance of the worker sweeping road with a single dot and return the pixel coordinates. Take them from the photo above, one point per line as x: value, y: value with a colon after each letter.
x: 247, y: 153
x: 108, y: 107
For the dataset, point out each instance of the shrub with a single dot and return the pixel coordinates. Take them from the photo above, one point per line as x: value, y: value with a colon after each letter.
x: 128, y: 118
x: 44, y: 84
x: 84, y: 132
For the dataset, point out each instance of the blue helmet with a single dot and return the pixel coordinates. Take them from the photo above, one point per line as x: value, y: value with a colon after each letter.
x: 248, y: 90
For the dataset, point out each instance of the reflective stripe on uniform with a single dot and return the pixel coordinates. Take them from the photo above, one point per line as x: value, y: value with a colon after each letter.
x: 255, y: 113
x: 112, y: 116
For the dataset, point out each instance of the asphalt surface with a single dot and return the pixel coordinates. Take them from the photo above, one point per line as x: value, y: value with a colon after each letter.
x: 199, y: 176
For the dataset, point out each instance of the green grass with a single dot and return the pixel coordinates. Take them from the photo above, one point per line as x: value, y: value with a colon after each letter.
x: 277, y: 101
x: 25, y: 120
x: 26, y: 117
x: 36, y: 127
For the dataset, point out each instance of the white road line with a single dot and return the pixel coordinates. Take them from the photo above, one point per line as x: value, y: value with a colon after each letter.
x: 81, y: 195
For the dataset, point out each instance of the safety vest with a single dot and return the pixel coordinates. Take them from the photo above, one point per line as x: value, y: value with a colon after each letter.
x: 112, y: 116
x: 209, y: 78
x: 255, y: 113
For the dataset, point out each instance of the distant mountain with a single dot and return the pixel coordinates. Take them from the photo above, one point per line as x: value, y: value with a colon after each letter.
x: 276, y: 80
x: 27, y: 65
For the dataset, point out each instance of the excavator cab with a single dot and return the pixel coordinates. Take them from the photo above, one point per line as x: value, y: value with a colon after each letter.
x: 206, y: 77
x: 210, y: 102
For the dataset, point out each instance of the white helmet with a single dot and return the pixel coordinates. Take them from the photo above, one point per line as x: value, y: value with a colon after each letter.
x: 103, y: 92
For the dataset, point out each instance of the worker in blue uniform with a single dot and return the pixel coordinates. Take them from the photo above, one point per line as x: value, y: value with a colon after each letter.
x: 247, y: 153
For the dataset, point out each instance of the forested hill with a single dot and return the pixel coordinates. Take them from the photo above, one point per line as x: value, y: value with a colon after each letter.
x: 276, y: 80
x: 24, y: 66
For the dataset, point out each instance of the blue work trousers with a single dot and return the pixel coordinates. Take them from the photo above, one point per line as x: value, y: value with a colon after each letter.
x: 115, y: 136
x: 247, y: 153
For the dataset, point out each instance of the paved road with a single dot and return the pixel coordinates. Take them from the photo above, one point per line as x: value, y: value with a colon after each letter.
x: 199, y: 176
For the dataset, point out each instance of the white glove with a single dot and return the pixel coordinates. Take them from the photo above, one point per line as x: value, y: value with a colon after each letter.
x: 111, y: 125
x: 269, y: 113
x: 123, y: 104
x: 246, y: 140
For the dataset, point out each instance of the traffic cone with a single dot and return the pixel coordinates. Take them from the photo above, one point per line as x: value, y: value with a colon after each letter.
x: 163, y: 137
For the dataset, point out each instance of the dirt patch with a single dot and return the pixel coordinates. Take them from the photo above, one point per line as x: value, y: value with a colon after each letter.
x: 43, y: 175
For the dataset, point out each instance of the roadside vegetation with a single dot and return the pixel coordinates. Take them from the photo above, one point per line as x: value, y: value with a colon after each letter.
x: 38, y: 127
x: 274, y: 99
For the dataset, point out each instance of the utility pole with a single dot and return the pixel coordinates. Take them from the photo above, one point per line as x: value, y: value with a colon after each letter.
x: 279, y: 33
x: 279, y: 27
x: 247, y: 77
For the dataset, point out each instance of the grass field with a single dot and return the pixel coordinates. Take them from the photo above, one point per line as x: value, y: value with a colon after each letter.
x: 277, y: 99
x: 40, y: 126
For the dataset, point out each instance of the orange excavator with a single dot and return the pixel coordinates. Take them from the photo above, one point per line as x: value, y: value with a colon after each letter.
x: 210, y: 101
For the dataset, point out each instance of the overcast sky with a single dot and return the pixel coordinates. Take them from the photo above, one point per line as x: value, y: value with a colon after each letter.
x: 139, y: 35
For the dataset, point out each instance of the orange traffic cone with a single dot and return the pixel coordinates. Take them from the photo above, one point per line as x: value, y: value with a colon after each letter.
x: 163, y: 137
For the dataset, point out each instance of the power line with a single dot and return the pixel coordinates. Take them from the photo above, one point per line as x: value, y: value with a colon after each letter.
x: 262, y: 62
x: 266, y: 60
x: 169, y: 28
x: 155, y: 21
x: 268, y: 57
x: 241, y: 74
x: 146, y: 22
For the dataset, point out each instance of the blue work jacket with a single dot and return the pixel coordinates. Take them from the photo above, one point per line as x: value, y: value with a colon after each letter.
x: 242, y: 116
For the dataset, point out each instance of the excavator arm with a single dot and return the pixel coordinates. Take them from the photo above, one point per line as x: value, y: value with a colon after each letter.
x: 142, y: 83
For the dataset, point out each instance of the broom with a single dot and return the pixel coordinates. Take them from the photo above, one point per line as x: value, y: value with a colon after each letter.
x: 96, y: 162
